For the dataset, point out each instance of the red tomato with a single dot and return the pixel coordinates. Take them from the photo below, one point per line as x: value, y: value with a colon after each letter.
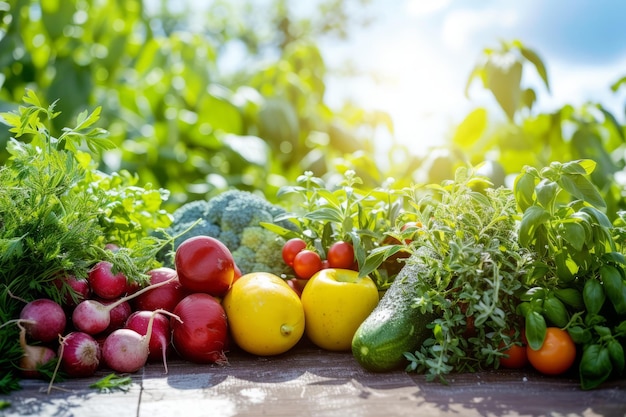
x: 206, y: 265
x: 516, y: 357
x: 291, y: 248
x: 556, y: 355
x: 341, y: 255
x: 307, y: 263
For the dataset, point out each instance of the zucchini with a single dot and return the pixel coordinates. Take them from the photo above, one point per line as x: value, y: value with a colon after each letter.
x: 394, y: 326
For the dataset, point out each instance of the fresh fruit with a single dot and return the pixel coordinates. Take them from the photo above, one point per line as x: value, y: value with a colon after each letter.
x: 340, y: 255
x: 204, y: 264
x: 394, y: 327
x: 291, y: 248
x: 556, y: 355
x: 336, y: 301
x: 306, y: 263
x: 265, y: 315
x: 516, y: 357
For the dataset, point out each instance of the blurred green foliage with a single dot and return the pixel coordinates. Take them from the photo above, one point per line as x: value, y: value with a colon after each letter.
x: 180, y: 120
x: 235, y: 97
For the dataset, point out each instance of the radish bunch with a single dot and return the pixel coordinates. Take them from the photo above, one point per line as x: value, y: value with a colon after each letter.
x: 107, y: 322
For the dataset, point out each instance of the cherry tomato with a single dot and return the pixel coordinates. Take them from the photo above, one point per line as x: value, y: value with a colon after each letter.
x: 341, y: 255
x: 307, y: 263
x: 516, y: 357
x: 556, y: 355
x: 291, y: 249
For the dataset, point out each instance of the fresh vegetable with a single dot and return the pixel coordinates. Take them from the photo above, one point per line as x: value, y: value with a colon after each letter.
x: 395, y: 326
x: 80, y: 354
x: 104, y: 283
x: 165, y: 297
x: 291, y: 248
x: 306, y: 263
x: 127, y: 351
x: 514, y: 357
x: 43, y: 319
x: 75, y: 289
x: 340, y: 255
x: 117, y: 315
x: 33, y: 357
x: 159, y: 344
x: 93, y: 317
x: 201, y: 335
x: 204, y: 264
x: 325, y: 213
x: 237, y: 219
x: 265, y: 316
x: 57, y: 213
x: 335, y: 302
x: 556, y: 354
x: 471, y: 273
x: 578, y: 281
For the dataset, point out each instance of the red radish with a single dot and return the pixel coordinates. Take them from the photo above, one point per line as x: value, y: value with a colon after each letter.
x: 118, y: 315
x: 79, y: 354
x: 160, y: 338
x: 34, y: 356
x: 125, y: 350
x: 104, y: 283
x: 44, y: 320
x: 166, y: 297
x: 202, y: 334
x: 79, y: 289
x: 93, y: 317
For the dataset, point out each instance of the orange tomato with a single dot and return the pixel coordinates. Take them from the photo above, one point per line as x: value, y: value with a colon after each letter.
x: 556, y: 355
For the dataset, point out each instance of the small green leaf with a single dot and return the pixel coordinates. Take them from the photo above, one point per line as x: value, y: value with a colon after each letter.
x: 555, y: 311
x: 614, y: 286
x: 534, y: 59
x: 546, y: 192
x: 570, y: 296
x: 595, y: 366
x: 574, y: 234
x: 583, y: 189
x: 616, y: 353
x: 579, y: 335
x: 533, y: 219
x: 593, y: 296
x: 524, y: 189
x: 535, y: 329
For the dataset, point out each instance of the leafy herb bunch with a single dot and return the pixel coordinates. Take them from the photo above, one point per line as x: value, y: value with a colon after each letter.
x: 325, y: 211
x: 579, y: 279
x: 57, y: 211
x: 476, y: 268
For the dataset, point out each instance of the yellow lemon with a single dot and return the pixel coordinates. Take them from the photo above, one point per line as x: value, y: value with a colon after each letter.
x: 265, y: 315
x: 336, y: 302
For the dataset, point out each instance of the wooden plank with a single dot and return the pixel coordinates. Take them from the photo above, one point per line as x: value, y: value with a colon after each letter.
x: 311, y: 382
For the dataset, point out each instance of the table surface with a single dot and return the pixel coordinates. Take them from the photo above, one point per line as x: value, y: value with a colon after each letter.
x: 307, y: 381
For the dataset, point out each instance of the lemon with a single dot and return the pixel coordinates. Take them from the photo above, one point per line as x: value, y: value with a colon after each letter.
x: 265, y: 315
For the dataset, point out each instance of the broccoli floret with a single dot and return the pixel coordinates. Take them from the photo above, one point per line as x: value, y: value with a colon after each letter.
x: 233, y: 218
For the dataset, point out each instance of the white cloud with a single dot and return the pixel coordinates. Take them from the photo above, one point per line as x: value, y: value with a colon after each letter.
x: 419, y: 8
x: 461, y: 26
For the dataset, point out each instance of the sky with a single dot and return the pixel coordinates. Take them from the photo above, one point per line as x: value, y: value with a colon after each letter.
x: 426, y: 49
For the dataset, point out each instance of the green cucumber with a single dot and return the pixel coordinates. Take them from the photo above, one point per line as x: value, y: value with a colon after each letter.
x: 394, y: 326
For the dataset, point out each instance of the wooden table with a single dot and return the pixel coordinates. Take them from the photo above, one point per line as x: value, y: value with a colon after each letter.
x: 311, y: 382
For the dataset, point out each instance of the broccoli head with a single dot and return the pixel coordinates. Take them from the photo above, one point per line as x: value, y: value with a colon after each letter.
x: 233, y: 217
